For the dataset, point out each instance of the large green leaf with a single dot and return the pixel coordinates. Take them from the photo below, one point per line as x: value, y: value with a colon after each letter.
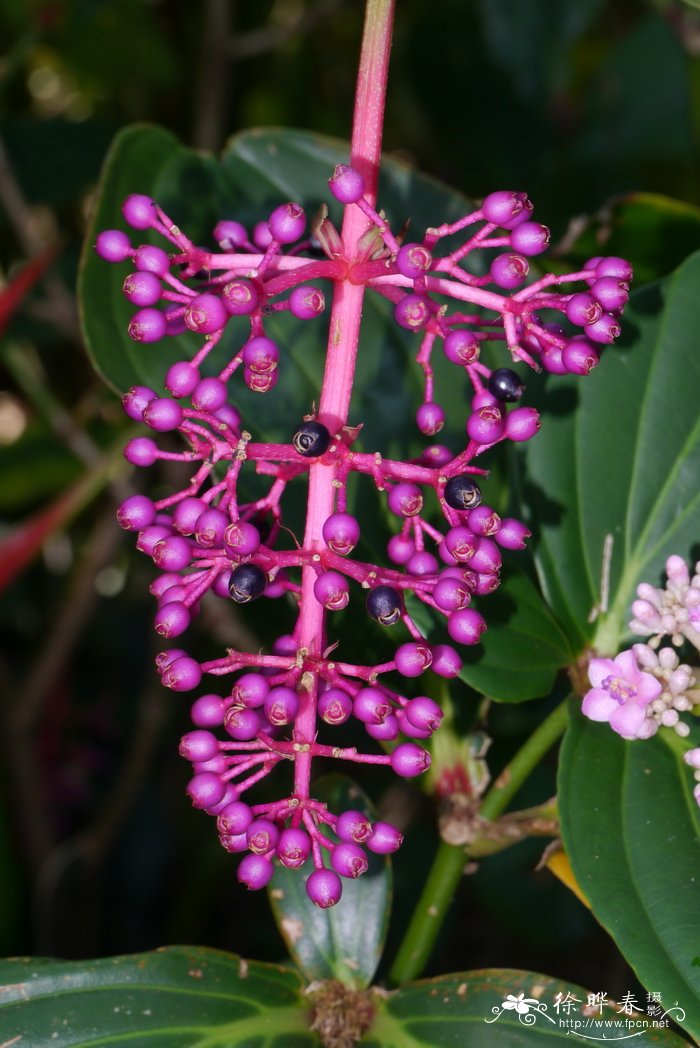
x: 465, y: 1010
x: 631, y: 828
x: 344, y: 942
x: 176, y: 997
x: 619, y: 455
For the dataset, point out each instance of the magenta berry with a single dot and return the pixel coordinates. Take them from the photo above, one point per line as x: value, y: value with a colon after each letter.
x: 582, y: 309
x: 413, y: 312
x: 205, y: 314
x: 409, y: 760
x: 324, y: 889
x: 136, y: 512
x: 341, y: 533
x: 210, y: 528
x: 241, y: 539
x: 151, y: 259
x: 198, y: 746
x: 486, y: 426
x: 461, y: 347
x: 287, y: 223
x: 371, y: 706
x: 113, y: 246
x: 148, y: 325
x: 255, y: 872
x: 332, y: 590
x: 349, y: 860
x: 353, y: 826
x: 142, y: 289
x: 163, y: 415
x: 208, y: 711
x: 139, y: 211
x: 187, y: 513
x: 281, y: 706
x: 530, y: 238
x: 334, y: 706
x: 424, y: 713
x: 347, y: 185
x: 137, y: 400
x: 430, y: 419
x: 506, y: 209
x: 172, y: 619
x: 240, y: 297
x: 580, y: 356
x: 385, y: 839
x: 400, y: 549
x: 605, y: 329
x: 251, y: 690
x: 522, y: 424
x: 230, y: 234
x: 234, y: 819
x: 261, y: 355
x: 205, y: 790
x: 446, y: 661
x: 306, y: 303
x: 293, y: 847
x: 509, y: 271
x: 413, y: 260
x: 242, y: 724
x: 405, y: 500
x: 413, y: 659
x: 181, y: 379
x: 466, y: 627
x: 209, y: 394
x: 512, y: 534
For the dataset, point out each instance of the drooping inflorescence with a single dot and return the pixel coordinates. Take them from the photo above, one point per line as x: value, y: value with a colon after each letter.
x: 446, y: 550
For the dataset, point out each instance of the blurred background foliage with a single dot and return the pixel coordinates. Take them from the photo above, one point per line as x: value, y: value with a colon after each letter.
x: 592, y: 106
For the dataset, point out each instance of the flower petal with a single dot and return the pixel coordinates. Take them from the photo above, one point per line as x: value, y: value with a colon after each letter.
x: 628, y: 719
x: 598, y: 705
x: 627, y: 662
x: 648, y: 688
x: 599, y: 669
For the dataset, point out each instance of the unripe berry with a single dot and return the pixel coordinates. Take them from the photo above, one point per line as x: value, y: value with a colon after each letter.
x: 487, y: 557
x: 413, y: 312
x: 172, y: 553
x: 341, y: 533
x: 384, y: 605
x: 451, y: 594
x: 312, y: 439
x: 255, y: 871
x: 605, y: 330
x: 466, y: 627
x: 250, y: 690
x: 181, y: 379
x: 205, y: 314
x: 530, y: 238
x: 241, y: 539
x: 611, y: 292
x: 332, y: 590
x: 163, y: 415
x: 199, y: 746
x: 408, y: 729
x: 233, y: 843
x: 446, y: 661
x: 409, y: 760
x: 506, y: 384
x: 261, y: 355
x: 405, y: 500
x: 287, y: 223
x: 262, y: 237
x: 483, y: 520
x: 209, y: 394
x: 512, y: 534
x: 262, y: 835
x: 506, y: 209
x: 210, y: 528
x: 187, y: 513
x: 151, y: 259
x: 413, y: 260
x: 385, y: 839
x: 422, y: 563
x: 242, y: 724
x: 281, y: 706
x: 522, y: 424
x: 137, y: 400
x: 293, y: 848
x: 306, y: 303
x: 580, y: 356
x: 230, y: 234
x: 208, y: 711
x: 172, y: 619
x: 387, y: 731
x: 148, y: 325
x: 182, y: 674
x: 260, y: 382
x: 509, y: 271
x: 583, y: 309
x: 430, y: 419
x: 206, y: 789
x: 400, y: 548
x: 346, y: 184
x: 353, y: 826
x: 412, y: 659
x: 324, y: 889
x: 486, y: 426
x: 614, y: 267
x: 371, y: 706
x: 139, y: 211
x: 136, y: 512
x: 423, y: 713
x: 247, y: 582
x: 334, y: 706
x: 349, y: 860
x: 436, y: 456
x: 240, y: 297
x: 461, y: 347
x: 113, y: 246
x: 462, y: 493
x: 234, y: 819
x: 142, y: 289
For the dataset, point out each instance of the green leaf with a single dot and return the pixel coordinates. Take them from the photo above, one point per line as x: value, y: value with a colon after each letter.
x: 631, y: 829
x: 344, y: 942
x: 653, y: 232
x: 466, y: 1010
x: 176, y: 997
x: 619, y: 456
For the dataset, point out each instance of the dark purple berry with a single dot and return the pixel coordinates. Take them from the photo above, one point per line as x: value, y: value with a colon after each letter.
x: 462, y: 493
x: 247, y: 582
x: 384, y: 605
x: 505, y: 384
x: 311, y: 439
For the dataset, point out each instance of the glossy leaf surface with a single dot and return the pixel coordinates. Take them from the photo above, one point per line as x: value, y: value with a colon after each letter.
x: 631, y: 828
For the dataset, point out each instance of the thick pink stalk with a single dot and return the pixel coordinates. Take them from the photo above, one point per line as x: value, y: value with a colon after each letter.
x: 346, y: 314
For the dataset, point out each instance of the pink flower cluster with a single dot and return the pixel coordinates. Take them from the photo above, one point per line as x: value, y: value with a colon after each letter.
x: 205, y: 538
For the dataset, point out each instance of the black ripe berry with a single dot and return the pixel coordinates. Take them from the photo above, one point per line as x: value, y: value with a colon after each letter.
x: 506, y: 384
x: 311, y: 439
x: 247, y: 583
x: 461, y: 492
x: 384, y: 605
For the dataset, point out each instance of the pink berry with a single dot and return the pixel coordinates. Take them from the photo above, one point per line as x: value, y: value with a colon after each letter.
x: 346, y: 184
x: 148, y: 325
x: 287, y: 223
x: 413, y: 312
x: 385, y: 839
x: 409, y: 760
x: 341, y: 533
x: 349, y: 860
x: 405, y: 500
x: 413, y: 260
x: 240, y: 297
x: 413, y: 659
x: 139, y: 211
x: 306, y: 303
x: 255, y: 871
x: 205, y: 314
x: 461, y: 347
x: 113, y: 246
x: 466, y: 627
x: 324, y: 889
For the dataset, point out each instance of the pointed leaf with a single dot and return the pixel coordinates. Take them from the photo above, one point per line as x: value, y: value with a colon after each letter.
x: 177, y: 997
x: 619, y: 455
x: 631, y: 828
x: 466, y: 1009
x: 345, y: 941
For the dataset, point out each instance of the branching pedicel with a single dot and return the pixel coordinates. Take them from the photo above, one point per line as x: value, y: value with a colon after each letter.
x: 203, y: 538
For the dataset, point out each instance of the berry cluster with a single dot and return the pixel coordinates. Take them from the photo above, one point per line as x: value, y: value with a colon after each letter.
x: 206, y: 539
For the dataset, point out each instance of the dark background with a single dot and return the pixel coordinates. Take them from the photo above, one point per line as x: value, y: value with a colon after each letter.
x: 580, y: 102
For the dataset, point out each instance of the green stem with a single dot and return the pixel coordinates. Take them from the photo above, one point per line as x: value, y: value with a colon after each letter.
x: 449, y: 863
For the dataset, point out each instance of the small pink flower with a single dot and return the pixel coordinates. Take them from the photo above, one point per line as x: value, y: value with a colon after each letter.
x: 620, y: 695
